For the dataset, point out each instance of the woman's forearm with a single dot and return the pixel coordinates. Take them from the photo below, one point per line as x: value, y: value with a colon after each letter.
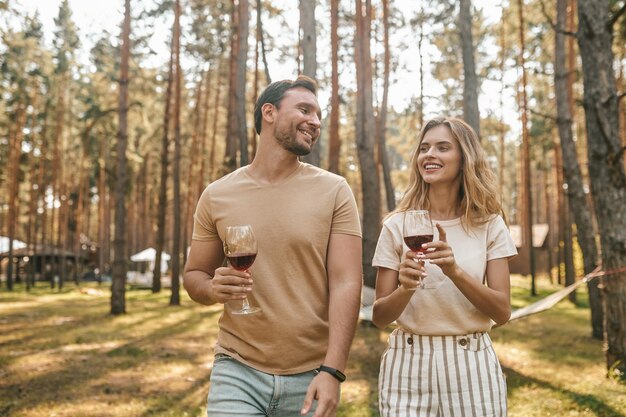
x: 387, y: 309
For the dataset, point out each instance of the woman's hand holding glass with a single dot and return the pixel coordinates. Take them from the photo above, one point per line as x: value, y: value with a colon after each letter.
x: 412, y: 271
x: 440, y: 253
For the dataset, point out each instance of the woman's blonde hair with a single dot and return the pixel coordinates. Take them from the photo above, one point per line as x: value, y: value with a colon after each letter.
x: 477, y: 196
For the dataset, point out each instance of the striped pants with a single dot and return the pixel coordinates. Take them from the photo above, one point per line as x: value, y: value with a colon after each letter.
x: 441, y: 376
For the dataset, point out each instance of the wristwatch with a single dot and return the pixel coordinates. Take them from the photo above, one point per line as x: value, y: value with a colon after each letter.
x: 339, y: 376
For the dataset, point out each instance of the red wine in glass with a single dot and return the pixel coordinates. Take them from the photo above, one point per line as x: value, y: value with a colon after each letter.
x: 417, y: 229
x: 415, y: 242
x: 241, y: 261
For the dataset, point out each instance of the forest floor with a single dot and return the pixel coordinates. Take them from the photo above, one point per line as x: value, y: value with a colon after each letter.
x: 63, y: 355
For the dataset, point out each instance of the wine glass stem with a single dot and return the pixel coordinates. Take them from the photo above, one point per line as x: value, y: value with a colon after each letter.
x: 245, y: 306
x: 421, y: 277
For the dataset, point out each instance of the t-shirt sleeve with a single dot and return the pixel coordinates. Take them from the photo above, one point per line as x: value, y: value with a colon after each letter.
x: 389, y: 249
x: 346, y: 214
x: 203, y: 225
x: 499, y: 241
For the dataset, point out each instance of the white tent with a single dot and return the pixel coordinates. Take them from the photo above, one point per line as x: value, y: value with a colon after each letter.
x: 149, y: 255
x: 140, y: 272
x: 4, y: 244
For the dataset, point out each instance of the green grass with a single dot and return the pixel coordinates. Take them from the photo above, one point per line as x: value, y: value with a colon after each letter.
x: 553, y: 365
x: 62, y: 354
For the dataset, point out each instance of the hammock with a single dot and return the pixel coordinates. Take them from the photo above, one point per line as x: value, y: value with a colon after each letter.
x: 552, y: 299
x: 537, y: 307
x: 547, y: 302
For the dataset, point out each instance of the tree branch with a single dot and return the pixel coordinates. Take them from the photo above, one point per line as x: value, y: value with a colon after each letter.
x: 545, y: 14
x: 546, y: 116
x: 620, y: 96
x: 617, y: 15
x: 552, y: 24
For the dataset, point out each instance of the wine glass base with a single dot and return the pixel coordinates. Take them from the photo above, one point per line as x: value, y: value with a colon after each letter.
x: 246, y: 311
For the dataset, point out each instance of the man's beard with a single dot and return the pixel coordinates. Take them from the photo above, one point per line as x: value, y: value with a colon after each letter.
x: 289, y: 143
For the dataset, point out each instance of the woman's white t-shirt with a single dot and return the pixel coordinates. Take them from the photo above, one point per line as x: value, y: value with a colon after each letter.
x: 441, y: 309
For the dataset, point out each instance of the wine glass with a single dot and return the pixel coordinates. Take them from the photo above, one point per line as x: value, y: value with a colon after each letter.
x: 241, y: 249
x: 417, y: 229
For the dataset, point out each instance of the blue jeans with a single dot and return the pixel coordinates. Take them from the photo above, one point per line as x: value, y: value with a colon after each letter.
x: 238, y: 390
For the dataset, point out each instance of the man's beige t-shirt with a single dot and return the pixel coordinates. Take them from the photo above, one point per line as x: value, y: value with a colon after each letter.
x: 292, y: 221
x: 441, y: 309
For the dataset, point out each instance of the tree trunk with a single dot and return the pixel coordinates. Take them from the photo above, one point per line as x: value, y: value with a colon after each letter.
x: 308, y: 46
x: 590, y: 245
x: 622, y: 102
x: 365, y: 139
x: 568, y: 246
x: 255, y: 83
x: 108, y: 214
x: 15, y: 151
x: 216, y: 117
x: 31, y: 230
x: 204, y: 134
x: 259, y: 23
x: 240, y: 88
x: 334, y: 142
x: 381, y: 125
x: 61, y: 231
x: 236, y: 137
x: 41, y: 188
x: 560, y: 198
x: 606, y: 167
x: 57, y: 174
x: 144, y: 197
x: 501, y: 130
x: 230, y: 151
x: 161, y: 225
x: 175, y: 294
x: 102, y: 210
x: 527, y: 214
x: 81, y: 203
x: 194, y: 163
x: 571, y: 169
x: 471, y: 113
x: 548, y: 196
x: 420, y: 42
x: 118, y: 285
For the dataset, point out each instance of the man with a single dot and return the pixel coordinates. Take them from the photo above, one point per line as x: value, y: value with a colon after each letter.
x: 307, y: 274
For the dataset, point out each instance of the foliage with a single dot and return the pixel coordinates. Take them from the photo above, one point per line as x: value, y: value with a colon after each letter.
x: 66, y: 38
x: 89, y: 124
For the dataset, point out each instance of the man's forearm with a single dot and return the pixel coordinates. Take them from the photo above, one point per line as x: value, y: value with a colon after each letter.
x: 199, y: 286
x: 344, y: 305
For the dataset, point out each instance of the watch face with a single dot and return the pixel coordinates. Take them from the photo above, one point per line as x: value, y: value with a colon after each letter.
x: 340, y: 376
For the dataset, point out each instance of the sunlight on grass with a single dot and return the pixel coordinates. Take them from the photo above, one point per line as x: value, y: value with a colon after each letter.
x: 91, y: 347
x: 62, y: 354
x: 37, y: 363
x: 553, y: 365
x: 92, y: 408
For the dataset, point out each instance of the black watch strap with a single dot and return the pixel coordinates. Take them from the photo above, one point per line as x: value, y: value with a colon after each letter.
x: 339, y: 376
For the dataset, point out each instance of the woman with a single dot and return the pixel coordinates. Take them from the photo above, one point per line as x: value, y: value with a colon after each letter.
x: 440, y: 360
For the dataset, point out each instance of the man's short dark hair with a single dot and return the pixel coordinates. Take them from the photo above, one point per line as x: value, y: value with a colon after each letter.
x: 274, y: 93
